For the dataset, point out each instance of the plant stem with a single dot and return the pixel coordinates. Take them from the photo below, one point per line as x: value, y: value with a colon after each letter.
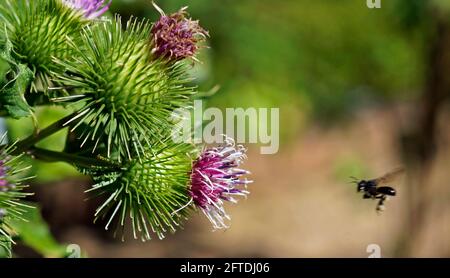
x: 53, y: 156
x: 27, y: 143
x: 28, y: 146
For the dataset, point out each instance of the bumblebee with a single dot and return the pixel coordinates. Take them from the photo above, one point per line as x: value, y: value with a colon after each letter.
x: 378, y: 188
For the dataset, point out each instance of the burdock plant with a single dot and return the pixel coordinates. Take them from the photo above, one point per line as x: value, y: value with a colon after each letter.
x: 120, y: 83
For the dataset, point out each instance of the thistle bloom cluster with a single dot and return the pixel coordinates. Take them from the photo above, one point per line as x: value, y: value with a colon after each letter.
x: 177, y: 37
x: 122, y: 83
x: 216, y: 177
x: 169, y: 182
x: 90, y: 8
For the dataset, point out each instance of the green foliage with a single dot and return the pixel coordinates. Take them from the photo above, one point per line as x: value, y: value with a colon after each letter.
x: 152, y: 193
x: 36, y: 234
x: 12, y: 94
x: 5, y: 247
x: 319, y: 60
x: 441, y: 4
x: 411, y: 13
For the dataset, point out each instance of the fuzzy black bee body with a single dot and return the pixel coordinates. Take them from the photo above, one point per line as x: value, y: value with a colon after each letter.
x: 372, y: 189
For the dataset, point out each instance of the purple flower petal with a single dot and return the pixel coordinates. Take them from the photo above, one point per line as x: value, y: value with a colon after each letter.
x: 176, y: 37
x: 215, y: 178
x: 90, y: 8
x: 4, y: 183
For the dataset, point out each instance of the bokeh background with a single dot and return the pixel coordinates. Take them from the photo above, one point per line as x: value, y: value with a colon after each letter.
x: 361, y: 91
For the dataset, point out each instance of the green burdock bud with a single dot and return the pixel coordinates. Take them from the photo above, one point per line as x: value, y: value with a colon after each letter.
x: 126, y: 95
x: 152, y: 193
x: 38, y: 31
x: 11, y: 186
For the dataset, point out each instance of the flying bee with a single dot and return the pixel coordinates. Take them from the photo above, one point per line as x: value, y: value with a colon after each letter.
x: 378, y: 188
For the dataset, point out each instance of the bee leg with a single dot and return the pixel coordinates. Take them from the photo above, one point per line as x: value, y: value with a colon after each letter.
x: 367, y: 196
x: 380, y: 205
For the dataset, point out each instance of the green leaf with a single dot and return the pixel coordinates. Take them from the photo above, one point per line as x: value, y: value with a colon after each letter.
x: 5, y: 247
x: 12, y: 94
x: 5, y: 52
x: 35, y: 234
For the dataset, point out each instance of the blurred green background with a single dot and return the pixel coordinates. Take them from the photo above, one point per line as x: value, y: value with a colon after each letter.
x: 360, y: 91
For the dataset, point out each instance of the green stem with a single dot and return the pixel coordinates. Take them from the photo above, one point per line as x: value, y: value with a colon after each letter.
x: 28, y: 146
x: 52, y: 156
x: 27, y: 143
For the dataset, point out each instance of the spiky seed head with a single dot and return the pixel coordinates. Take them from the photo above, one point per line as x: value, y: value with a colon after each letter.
x: 12, y: 181
x: 150, y: 193
x: 126, y: 95
x: 38, y: 31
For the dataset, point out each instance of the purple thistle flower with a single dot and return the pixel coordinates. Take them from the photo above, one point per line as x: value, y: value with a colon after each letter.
x: 215, y: 178
x: 90, y: 8
x: 175, y: 36
x: 4, y: 184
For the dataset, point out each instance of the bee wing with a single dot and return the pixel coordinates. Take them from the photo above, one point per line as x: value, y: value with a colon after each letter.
x: 391, y: 176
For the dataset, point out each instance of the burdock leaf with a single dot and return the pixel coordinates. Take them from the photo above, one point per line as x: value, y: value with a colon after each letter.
x: 5, y: 247
x: 5, y: 51
x: 12, y: 93
x: 36, y: 234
